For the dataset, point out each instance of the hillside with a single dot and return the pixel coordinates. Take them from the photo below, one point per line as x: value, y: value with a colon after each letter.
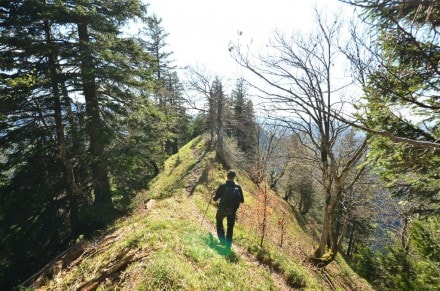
x: 168, y: 242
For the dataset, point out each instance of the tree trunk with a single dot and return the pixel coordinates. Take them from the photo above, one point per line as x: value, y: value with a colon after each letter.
x: 72, y: 188
x: 264, y: 222
x: 326, y: 229
x: 101, y: 183
x: 329, y: 207
x: 334, y: 186
x: 322, y: 257
x: 351, y: 241
x: 343, y: 233
x: 211, y: 117
x: 220, y: 129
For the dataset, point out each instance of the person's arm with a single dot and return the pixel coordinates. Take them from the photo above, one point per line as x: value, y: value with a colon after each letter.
x: 241, y: 195
x: 218, y: 193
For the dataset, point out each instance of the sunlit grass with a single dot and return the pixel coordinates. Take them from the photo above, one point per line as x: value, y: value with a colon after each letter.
x: 177, y: 169
x: 181, y: 253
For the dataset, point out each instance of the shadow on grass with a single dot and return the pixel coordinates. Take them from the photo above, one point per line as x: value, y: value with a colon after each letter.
x: 203, y: 178
x: 221, y: 249
x: 302, y: 221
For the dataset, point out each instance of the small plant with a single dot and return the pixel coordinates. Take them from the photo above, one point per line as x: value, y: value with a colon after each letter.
x: 282, y: 227
x: 262, y: 214
x: 295, y: 279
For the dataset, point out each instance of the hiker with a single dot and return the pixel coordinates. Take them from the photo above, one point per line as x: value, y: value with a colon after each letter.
x: 230, y: 195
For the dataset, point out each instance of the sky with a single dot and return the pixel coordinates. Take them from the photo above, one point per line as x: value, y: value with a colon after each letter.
x: 200, y: 31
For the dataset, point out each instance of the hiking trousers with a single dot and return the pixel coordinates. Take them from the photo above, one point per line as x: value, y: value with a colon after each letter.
x: 230, y: 218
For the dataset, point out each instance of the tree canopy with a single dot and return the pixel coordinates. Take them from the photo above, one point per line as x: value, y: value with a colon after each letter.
x: 79, y: 132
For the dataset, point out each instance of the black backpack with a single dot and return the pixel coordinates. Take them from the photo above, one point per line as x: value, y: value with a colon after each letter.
x: 230, y: 200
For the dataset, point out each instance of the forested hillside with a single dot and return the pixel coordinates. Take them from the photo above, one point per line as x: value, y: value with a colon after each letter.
x: 79, y: 131
x: 169, y: 242
x: 334, y: 131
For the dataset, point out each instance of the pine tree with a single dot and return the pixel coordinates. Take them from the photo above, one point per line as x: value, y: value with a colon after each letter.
x: 402, y: 98
x: 402, y: 109
x: 167, y: 87
x: 243, y: 126
x: 54, y: 53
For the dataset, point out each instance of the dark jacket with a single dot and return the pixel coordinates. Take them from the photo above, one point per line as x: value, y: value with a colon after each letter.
x: 221, y: 190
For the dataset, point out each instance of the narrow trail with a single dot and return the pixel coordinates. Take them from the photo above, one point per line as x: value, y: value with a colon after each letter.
x: 241, y: 253
x: 180, y: 206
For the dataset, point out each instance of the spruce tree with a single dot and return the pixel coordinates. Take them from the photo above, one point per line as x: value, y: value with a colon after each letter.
x: 217, y: 104
x: 402, y: 98
x: 402, y: 105
x: 68, y: 79
x: 156, y: 44
x: 166, y: 85
x: 243, y: 125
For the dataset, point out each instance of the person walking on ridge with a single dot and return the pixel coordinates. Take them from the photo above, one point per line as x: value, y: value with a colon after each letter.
x: 230, y: 195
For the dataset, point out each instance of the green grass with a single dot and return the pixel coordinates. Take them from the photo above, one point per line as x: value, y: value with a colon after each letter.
x: 189, y: 258
x: 179, y: 251
x: 249, y: 239
x: 178, y: 168
x: 183, y: 256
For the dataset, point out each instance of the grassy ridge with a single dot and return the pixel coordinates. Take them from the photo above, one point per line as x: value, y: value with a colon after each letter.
x: 168, y: 244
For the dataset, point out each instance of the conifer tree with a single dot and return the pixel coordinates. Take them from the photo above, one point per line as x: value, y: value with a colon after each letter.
x: 32, y: 140
x: 177, y: 118
x: 217, y: 103
x: 402, y: 108
x: 166, y: 85
x: 53, y: 53
x: 402, y: 98
x: 156, y: 44
x: 242, y: 122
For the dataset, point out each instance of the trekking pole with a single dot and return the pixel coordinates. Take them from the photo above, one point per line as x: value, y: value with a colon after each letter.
x: 209, y: 201
x: 206, y: 210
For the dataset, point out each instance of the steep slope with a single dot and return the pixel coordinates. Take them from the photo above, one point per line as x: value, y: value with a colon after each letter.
x: 169, y: 242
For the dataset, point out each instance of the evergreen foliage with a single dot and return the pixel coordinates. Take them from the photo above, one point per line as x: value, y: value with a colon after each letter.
x: 402, y: 101
x: 167, y: 88
x: 165, y: 242
x: 242, y: 121
x: 416, y: 268
x: 78, y: 131
x: 89, y: 114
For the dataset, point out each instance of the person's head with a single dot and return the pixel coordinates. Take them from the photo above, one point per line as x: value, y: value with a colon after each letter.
x: 231, y: 175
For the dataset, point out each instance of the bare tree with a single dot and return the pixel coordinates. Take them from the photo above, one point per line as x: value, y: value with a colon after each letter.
x: 210, y: 88
x: 270, y: 160
x: 301, y: 175
x: 201, y: 84
x: 301, y: 85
